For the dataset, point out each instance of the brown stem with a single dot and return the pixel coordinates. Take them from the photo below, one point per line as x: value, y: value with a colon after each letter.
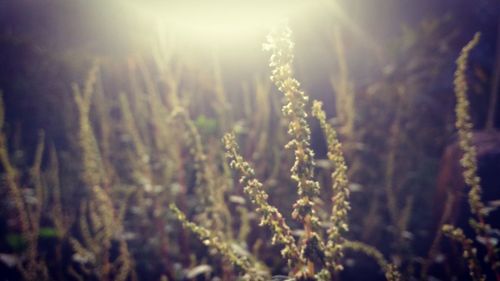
x: 308, y: 230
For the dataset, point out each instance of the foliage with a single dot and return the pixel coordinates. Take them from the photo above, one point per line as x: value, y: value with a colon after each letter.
x: 141, y: 189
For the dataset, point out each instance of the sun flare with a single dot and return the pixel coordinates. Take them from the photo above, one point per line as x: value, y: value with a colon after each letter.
x: 217, y: 21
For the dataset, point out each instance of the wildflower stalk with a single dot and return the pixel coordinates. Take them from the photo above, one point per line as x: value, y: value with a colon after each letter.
x: 302, y: 171
x: 390, y: 270
x: 469, y: 252
x: 464, y: 127
x: 270, y: 216
x: 99, y: 223
x: 224, y: 249
x: 11, y: 176
x: 340, y: 197
x: 344, y: 98
x: 281, y: 46
x: 468, y: 161
x: 139, y: 154
x: 92, y: 164
x: 212, y: 198
x: 33, y: 267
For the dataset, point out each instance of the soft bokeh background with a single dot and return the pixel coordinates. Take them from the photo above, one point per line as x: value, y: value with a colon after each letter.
x: 46, y: 44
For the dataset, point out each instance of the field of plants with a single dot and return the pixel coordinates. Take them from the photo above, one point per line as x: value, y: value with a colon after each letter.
x: 262, y: 140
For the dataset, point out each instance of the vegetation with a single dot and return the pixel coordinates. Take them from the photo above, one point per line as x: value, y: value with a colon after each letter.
x: 155, y: 185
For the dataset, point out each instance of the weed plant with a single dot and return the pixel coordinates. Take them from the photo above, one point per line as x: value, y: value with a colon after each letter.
x: 157, y: 195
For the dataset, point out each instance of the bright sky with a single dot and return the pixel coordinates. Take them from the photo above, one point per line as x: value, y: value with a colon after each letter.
x: 217, y: 20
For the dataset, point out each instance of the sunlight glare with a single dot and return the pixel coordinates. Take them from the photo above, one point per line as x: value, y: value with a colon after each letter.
x: 220, y: 20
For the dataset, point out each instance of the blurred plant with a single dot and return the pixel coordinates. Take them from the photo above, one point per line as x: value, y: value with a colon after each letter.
x: 28, y: 207
x: 469, y: 251
x: 99, y: 223
x: 399, y: 126
x: 391, y: 272
x: 468, y: 161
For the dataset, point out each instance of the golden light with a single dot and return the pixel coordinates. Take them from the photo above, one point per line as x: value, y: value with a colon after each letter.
x: 217, y: 21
